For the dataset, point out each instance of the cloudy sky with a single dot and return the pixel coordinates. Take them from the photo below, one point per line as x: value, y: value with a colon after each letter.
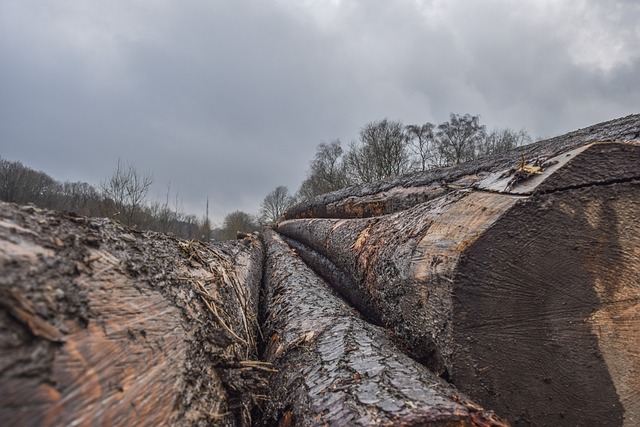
x: 229, y: 98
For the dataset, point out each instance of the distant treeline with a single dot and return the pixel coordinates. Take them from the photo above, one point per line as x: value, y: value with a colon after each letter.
x: 384, y: 149
x: 387, y: 148
x: 122, y: 197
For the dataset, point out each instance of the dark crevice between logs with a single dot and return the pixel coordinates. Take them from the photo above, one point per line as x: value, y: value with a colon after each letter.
x: 337, y: 278
x: 257, y: 411
x: 334, y: 368
x: 262, y: 314
x: 352, y: 295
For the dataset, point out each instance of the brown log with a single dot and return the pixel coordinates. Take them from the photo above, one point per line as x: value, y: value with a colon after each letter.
x: 546, y: 314
x: 336, y: 369
x: 100, y: 325
x: 523, y: 292
x: 403, y: 192
x: 402, y: 264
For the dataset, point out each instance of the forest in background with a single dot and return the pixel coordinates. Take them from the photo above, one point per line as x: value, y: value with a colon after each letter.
x: 384, y: 149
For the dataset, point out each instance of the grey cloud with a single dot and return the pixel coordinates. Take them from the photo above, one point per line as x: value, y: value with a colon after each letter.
x: 229, y: 99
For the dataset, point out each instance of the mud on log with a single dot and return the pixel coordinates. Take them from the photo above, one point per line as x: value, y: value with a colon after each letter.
x: 100, y: 325
x: 521, y: 288
x: 336, y: 369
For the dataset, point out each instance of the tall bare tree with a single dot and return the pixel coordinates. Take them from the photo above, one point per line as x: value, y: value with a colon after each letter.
x: 381, y: 153
x: 274, y: 205
x: 421, y: 139
x: 458, y: 138
x: 501, y: 140
x: 127, y: 188
x: 327, y: 171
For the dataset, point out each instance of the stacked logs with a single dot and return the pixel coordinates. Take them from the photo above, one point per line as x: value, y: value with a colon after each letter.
x: 334, y: 368
x: 515, y: 281
x: 510, y: 281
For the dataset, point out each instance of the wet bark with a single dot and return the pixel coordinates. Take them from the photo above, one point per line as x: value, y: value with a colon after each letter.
x: 399, y: 193
x: 101, y: 325
x: 401, y: 266
x: 518, y: 286
x: 517, y: 283
x: 336, y: 369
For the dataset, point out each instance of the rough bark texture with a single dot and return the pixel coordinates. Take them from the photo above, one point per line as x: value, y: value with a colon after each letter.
x: 100, y: 325
x: 402, y: 265
x: 400, y: 193
x: 514, y: 278
x: 520, y: 286
x: 336, y: 369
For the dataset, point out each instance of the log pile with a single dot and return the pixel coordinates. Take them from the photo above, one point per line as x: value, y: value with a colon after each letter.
x: 509, y: 284
x: 334, y: 368
x: 515, y: 278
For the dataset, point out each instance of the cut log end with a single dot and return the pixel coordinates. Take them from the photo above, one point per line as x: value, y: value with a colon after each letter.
x: 548, y: 305
x: 525, y: 296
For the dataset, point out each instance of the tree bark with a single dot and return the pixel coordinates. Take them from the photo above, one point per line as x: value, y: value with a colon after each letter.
x: 517, y: 286
x: 514, y: 278
x: 396, y: 194
x: 100, y: 325
x: 336, y: 369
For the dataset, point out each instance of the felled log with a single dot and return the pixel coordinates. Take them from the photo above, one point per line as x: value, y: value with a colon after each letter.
x: 100, y: 325
x: 333, y: 368
x: 403, y: 192
x: 521, y: 287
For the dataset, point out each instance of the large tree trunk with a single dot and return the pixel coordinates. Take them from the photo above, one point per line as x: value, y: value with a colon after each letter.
x: 104, y: 326
x: 336, y: 369
x: 520, y: 287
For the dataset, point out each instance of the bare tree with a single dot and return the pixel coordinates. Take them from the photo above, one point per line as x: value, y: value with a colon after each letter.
x: 327, y: 171
x: 21, y: 184
x: 501, y: 140
x: 381, y: 153
x: 458, y: 138
x: 79, y: 197
x: 274, y: 205
x: 127, y: 189
x: 421, y: 139
x: 190, y: 227
x: 123, y: 195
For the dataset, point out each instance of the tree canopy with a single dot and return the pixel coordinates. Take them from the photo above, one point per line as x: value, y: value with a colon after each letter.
x: 387, y: 148
x: 274, y: 205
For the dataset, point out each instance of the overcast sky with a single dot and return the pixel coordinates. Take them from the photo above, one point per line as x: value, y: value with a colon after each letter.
x: 229, y: 98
